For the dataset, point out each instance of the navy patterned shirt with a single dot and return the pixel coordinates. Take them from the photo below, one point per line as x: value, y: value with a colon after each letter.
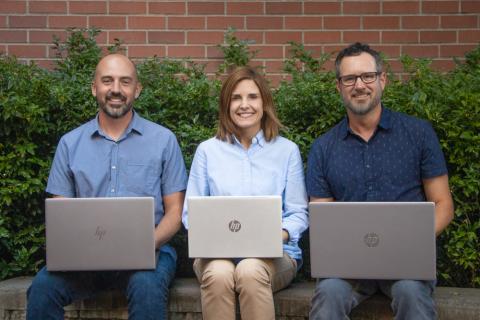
x: 389, y: 167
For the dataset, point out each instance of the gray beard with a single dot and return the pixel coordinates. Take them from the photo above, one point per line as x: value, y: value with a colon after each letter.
x: 115, y: 113
x: 361, y: 110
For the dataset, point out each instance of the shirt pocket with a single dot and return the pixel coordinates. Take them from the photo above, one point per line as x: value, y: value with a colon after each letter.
x: 139, y: 178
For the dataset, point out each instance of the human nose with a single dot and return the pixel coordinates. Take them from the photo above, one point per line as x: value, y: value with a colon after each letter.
x: 116, y: 86
x: 359, y: 82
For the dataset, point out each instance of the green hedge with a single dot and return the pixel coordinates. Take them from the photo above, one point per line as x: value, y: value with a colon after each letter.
x: 38, y: 106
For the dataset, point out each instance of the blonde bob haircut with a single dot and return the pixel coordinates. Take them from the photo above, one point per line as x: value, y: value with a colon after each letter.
x: 270, y: 123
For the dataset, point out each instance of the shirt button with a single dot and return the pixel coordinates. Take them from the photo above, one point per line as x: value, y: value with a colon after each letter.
x: 370, y: 188
x: 113, y: 190
x: 368, y: 166
x: 113, y: 167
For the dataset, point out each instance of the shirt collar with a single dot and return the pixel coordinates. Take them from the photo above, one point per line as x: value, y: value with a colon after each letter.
x: 135, y: 125
x: 385, y: 123
x: 259, y: 139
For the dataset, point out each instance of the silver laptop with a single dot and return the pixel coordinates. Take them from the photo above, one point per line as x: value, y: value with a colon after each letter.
x: 100, y: 233
x: 372, y: 240
x: 235, y: 227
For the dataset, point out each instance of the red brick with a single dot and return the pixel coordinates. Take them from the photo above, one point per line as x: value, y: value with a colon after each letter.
x: 107, y: 22
x: 13, y: 36
x: 283, y: 8
x: 440, y: 7
x: 469, y: 36
x: 213, y: 52
x: 333, y: 50
x: 391, y: 51
x: 211, y: 66
x: 303, y: 23
x: 322, y: 37
x: 146, y: 51
x: 264, y: 22
x: 13, y: 7
x: 186, y: 51
x: 165, y: 37
x: 47, y: 7
x: 204, y: 37
x: 128, y: 37
x: 341, y: 22
x: 400, y: 37
x: 443, y: 65
x: 386, y: 22
x: 130, y: 7
x: 361, y: 7
x: 459, y: 22
x: 63, y: 22
x: 3, y: 21
x: 244, y: 8
x: 3, y: 49
x: 268, y: 52
x: 274, y: 66
x: 420, y: 22
x: 252, y: 37
x: 421, y: 51
x: 45, y: 64
x: 470, y: 6
x: 28, y: 21
x: 395, y: 66
x: 362, y: 36
x: 455, y: 50
x: 146, y: 22
x: 46, y: 36
x: 315, y: 51
x: 396, y: 7
x: 185, y: 23
x: 102, y: 38
x: 225, y: 22
x: 274, y: 80
x: 27, y: 51
x: 438, y: 36
x: 205, y: 8
x: 167, y: 8
x: 282, y: 37
x: 91, y: 7
x: 322, y: 7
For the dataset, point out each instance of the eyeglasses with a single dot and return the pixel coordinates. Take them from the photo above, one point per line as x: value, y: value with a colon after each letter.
x: 351, y: 79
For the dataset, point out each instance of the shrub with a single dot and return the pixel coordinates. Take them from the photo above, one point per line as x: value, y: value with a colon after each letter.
x: 38, y: 106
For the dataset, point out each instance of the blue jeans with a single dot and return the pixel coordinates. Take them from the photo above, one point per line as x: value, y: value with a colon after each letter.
x: 335, y: 298
x: 146, y: 291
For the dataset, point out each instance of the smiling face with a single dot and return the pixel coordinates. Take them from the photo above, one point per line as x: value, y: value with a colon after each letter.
x: 360, y: 98
x: 246, y: 108
x: 115, y: 85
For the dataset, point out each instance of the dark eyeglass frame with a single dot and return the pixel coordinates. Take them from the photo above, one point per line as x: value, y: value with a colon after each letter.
x: 363, y: 76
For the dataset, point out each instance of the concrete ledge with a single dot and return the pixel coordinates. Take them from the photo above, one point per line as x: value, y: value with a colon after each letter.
x: 291, y: 303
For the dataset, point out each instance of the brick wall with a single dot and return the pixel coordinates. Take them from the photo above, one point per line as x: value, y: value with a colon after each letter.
x: 421, y: 28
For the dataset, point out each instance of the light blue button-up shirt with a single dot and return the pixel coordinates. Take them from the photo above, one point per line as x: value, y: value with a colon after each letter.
x: 221, y: 168
x: 145, y: 161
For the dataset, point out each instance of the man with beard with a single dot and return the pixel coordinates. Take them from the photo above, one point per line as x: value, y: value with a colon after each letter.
x: 375, y: 154
x: 117, y: 154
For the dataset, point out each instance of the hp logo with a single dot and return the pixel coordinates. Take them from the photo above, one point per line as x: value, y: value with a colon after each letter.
x: 371, y: 239
x: 100, y: 233
x: 234, y: 226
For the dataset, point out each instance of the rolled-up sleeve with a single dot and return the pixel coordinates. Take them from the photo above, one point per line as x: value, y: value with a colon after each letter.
x: 295, y: 214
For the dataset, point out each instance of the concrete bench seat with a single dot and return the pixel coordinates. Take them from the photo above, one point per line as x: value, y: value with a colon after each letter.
x: 291, y: 303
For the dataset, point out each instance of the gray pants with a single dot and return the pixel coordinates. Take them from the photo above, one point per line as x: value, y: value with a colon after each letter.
x: 335, y: 298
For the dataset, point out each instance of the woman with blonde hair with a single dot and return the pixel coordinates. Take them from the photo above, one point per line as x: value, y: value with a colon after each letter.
x: 248, y: 157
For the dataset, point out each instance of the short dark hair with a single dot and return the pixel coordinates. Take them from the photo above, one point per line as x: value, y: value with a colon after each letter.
x: 356, y: 49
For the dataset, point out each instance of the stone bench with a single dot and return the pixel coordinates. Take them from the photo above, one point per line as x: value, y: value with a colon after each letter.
x: 291, y: 303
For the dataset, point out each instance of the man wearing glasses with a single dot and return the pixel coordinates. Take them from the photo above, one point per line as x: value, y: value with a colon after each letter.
x: 376, y: 154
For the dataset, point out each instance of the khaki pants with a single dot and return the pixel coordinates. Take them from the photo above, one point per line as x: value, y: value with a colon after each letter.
x: 253, y: 279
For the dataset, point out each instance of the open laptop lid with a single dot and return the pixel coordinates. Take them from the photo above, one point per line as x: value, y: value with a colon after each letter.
x: 372, y: 240
x: 100, y: 233
x: 235, y: 227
